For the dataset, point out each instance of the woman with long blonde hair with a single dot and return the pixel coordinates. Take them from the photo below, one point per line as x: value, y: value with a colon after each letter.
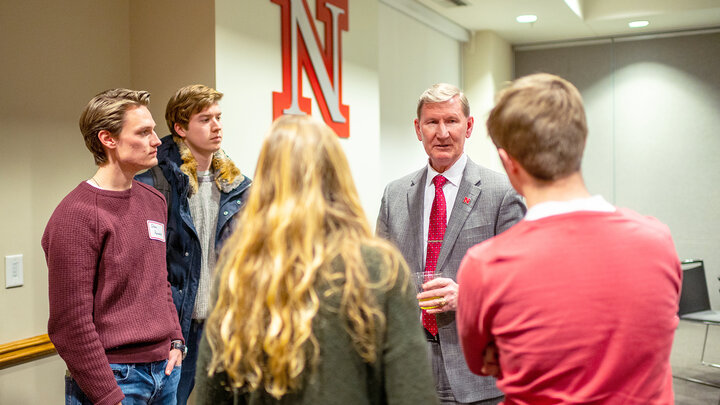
x: 311, y: 308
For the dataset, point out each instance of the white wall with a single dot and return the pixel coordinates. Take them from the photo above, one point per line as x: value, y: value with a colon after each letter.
x: 487, y: 67
x: 249, y: 69
x: 388, y: 60
x: 413, y: 57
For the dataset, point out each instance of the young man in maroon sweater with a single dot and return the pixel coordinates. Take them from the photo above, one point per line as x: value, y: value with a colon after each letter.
x: 112, y: 317
x: 577, y: 302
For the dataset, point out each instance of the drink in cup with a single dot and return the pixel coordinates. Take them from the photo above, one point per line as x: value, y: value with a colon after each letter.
x: 422, y: 278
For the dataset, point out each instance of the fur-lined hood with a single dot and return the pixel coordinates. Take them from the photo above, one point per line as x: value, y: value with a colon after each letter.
x: 227, y: 175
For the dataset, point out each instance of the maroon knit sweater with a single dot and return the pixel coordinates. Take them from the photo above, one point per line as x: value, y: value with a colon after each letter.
x: 110, y: 301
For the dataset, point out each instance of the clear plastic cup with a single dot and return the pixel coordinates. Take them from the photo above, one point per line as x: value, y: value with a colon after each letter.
x: 422, y: 278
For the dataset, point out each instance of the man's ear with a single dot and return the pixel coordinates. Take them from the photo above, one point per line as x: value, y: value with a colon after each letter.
x: 418, y: 132
x: 179, y: 130
x: 106, y: 139
x: 519, y: 178
x: 510, y: 165
x: 470, y: 125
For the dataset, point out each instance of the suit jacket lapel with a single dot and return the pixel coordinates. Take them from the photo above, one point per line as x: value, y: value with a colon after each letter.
x: 466, y: 199
x: 415, y: 197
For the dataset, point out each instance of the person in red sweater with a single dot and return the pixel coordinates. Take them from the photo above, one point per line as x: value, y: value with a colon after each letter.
x: 577, y: 303
x: 112, y: 318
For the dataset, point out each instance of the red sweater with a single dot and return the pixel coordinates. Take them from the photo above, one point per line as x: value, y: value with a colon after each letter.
x: 110, y: 301
x: 582, y: 307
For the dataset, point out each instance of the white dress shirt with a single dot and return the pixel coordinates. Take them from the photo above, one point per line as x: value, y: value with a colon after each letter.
x: 450, y: 189
x: 550, y: 208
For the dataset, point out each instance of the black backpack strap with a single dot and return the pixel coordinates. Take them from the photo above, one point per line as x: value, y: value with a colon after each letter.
x: 162, y: 185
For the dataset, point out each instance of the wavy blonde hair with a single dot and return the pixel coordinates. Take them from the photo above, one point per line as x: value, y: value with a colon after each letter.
x: 303, y: 214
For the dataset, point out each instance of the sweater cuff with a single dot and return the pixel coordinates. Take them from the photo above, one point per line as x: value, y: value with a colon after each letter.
x: 178, y: 336
x: 113, y: 398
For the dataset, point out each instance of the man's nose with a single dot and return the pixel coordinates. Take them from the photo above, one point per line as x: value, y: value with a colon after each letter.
x: 217, y: 125
x: 155, y: 140
x: 443, y: 130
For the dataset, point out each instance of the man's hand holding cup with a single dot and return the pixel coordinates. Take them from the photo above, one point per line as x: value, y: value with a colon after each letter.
x: 436, y: 294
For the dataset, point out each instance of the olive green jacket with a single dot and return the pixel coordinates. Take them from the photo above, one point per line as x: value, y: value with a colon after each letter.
x: 401, y: 374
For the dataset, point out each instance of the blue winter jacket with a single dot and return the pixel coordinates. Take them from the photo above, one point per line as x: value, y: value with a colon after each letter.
x: 183, y: 246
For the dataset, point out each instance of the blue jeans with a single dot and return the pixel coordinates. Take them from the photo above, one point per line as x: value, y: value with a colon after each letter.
x: 187, y: 377
x: 142, y: 384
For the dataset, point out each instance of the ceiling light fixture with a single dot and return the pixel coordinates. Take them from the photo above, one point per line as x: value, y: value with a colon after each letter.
x: 527, y: 18
x: 638, y: 24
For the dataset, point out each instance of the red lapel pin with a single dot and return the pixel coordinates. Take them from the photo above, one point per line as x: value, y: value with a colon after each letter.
x: 466, y: 200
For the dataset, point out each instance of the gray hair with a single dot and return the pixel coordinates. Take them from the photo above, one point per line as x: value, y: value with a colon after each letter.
x: 440, y: 93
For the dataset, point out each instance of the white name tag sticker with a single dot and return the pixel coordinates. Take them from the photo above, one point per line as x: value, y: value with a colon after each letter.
x: 156, y: 230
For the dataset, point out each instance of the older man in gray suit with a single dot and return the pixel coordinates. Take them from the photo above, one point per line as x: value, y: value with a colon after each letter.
x: 434, y: 216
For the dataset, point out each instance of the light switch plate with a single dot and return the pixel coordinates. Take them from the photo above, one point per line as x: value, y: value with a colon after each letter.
x: 13, y: 271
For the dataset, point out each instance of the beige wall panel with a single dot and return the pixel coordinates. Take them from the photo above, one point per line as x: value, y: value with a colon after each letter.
x: 172, y: 44
x: 39, y: 382
x: 63, y: 53
x: 56, y: 56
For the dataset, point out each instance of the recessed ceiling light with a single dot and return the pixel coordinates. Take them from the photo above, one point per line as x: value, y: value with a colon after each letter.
x: 638, y: 24
x: 528, y: 18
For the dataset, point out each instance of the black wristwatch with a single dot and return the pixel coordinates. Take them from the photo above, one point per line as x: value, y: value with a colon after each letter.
x: 178, y: 344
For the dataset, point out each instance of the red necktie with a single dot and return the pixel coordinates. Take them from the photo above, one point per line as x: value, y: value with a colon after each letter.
x: 438, y: 218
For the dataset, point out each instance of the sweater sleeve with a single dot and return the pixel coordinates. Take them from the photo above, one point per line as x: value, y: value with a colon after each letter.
x: 474, y: 338
x: 407, y: 371
x: 72, y: 248
x: 177, y: 332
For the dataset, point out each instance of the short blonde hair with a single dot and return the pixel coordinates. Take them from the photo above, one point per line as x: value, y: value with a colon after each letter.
x: 540, y: 121
x: 440, y: 93
x: 187, y: 101
x: 106, y: 111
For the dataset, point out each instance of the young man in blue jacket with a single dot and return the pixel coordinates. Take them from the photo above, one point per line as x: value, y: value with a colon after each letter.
x: 204, y: 192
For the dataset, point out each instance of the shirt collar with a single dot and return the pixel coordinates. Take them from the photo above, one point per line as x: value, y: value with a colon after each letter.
x: 549, y: 208
x: 453, y: 174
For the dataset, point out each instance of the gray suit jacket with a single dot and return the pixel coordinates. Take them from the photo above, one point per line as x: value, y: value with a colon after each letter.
x: 493, y: 207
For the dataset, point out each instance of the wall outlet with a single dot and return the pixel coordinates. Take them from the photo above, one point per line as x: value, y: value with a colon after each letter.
x: 13, y: 271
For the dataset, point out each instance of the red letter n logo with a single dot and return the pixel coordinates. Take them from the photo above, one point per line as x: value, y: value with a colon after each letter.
x: 301, y: 49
